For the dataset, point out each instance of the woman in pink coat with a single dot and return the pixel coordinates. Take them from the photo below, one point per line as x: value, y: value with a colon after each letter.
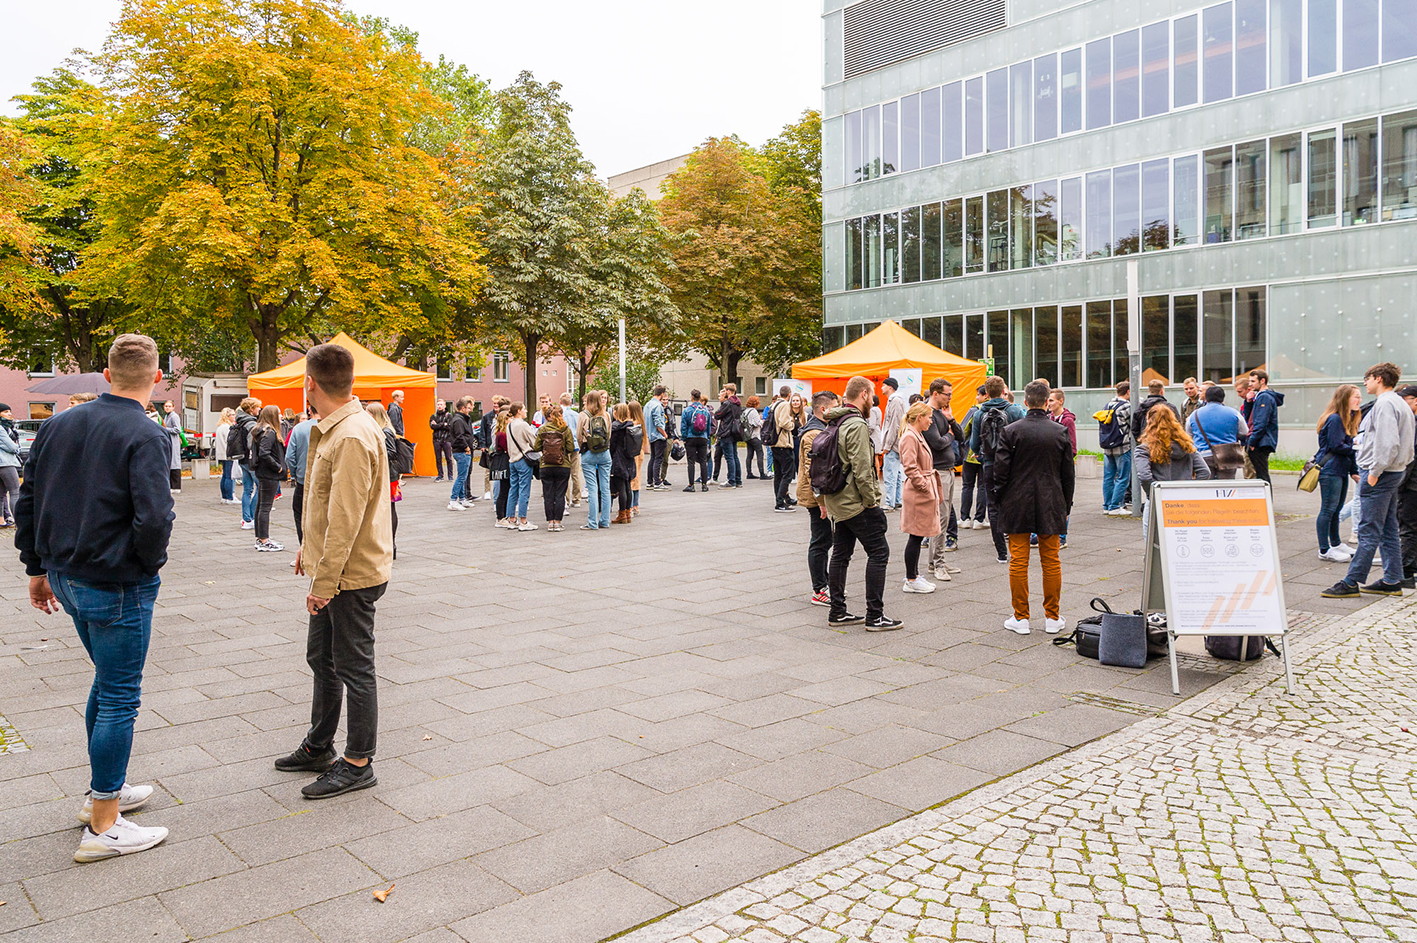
x: 920, y: 507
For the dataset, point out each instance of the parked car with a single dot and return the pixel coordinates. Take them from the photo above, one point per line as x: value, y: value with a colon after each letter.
x: 28, y: 429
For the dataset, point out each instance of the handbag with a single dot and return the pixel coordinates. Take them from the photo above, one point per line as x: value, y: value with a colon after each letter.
x: 676, y: 451
x: 1228, y: 456
x: 1123, y: 641
x: 1087, y: 636
x: 1309, y: 477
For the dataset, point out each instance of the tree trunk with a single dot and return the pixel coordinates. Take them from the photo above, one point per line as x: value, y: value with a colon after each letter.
x: 532, y: 342
x: 734, y: 355
x: 268, y: 336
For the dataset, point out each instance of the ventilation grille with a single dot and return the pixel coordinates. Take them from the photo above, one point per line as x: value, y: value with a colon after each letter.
x: 882, y: 32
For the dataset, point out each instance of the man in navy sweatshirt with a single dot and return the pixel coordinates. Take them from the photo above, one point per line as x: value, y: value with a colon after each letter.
x: 93, y: 521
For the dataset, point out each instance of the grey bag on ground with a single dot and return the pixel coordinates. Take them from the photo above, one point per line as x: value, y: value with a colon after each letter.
x: 1123, y: 641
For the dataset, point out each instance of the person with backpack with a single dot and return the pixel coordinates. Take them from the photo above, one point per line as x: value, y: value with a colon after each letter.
x: 1264, y: 423
x: 626, y: 440
x: 820, y: 542
x: 944, y: 436
x: 779, y: 429
x: 594, y: 437
x: 238, y: 448
x: 1218, y: 433
x: 730, y: 429
x: 520, y: 437
x: 973, y: 500
x: 694, y: 425
x: 441, y: 423
x: 1165, y: 453
x: 219, y: 440
x: 268, y: 465
x: 843, y: 473
x: 1155, y: 395
x: 995, y: 414
x: 1114, y: 437
x: 753, y: 425
x: 553, y: 441
x: 486, y: 440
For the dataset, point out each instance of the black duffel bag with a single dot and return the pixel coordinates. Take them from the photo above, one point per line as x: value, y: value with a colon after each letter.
x: 1087, y: 636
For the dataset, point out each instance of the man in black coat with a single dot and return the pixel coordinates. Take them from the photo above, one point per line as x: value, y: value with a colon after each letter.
x: 1033, y: 494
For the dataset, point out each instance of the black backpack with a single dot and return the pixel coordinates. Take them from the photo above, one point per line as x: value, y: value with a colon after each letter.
x: 402, y: 459
x: 991, y: 431
x: 828, y: 471
x: 769, y: 430
x: 237, y: 449
x: 636, y: 434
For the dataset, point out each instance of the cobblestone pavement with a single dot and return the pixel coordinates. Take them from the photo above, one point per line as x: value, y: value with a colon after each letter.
x: 1243, y: 815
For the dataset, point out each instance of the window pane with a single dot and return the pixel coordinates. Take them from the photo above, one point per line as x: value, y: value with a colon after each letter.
x: 1045, y: 222
x: 1323, y: 37
x: 1070, y: 236
x: 974, y: 234
x: 1219, y: 66
x: 1250, y: 46
x: 1360, y: 34
x: 1156, y: 204
x: 996, y: 341
x: 1399, y: 29
x: 871, y: 142
x: 910, y: 132
x: 832, y: 339
x: 1360, y: 172
x: 1186, y: 61
x: 1323, y: 173
x: 1099, y: 215
x: 911, y: 326
x: 871, y: 259
x: 1045, y: 98
x: 1216, y: 334
x: 1021, y: 348
x: 998, y: 222
x: 1099, y: 84
x: 1249, y: 189
x: 1400, y: 165
x: 890, y: 242
x: 1099, y: 344
x: 1286, y: 42
x: 953, y: 261
x: 1156, y: 69
x: 952, y: 132
x: 1070, y: 89
x: 910, y: 245
x: 1126, y: 203
x: 853, y: 253
x: 1156, y: 339
x: 1045, y: 339
x: 1021, y: 227
x: 930, y: 242
x: 1219, y: 194
x: 1250, y: 328
x: 929, y: 127
x: 890, y: 137
x: 930, y: 332
x: 1071, y: 367
x: 853, y: 333
x: 952, y: 327
x: 974, y: 116
x: 1185, y: 332
x: 1286, y: 185
x: 998, y: 102
x: 1187, y: 201
x: 1120, y: 368
x: 974, y: 336
x: 854, y: 170
x: 1126, y: 72
x: 1021, y: 104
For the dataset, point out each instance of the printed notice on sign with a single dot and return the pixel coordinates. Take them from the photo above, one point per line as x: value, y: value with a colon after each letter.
x: 1222, y: 570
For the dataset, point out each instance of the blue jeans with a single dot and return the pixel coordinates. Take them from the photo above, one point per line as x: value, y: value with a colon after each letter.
x: 519, y: 478
x: 114, y: 621
x: 463, y: 461
x: 228, y: 487
x: 248, y: 494
x: 596, y: 466
x: 1333, y: 493
x: 1116, y: 479
x: 894, y: 474
x: 1378, y: 529
x: 732, y: 462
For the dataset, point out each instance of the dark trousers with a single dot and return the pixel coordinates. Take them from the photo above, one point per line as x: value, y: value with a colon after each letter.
x: 1407, y: 530
x: 297, y: 502
x: 781, y: 474
x: 912, y: 556
x: 717, y: 458
x: 696, y: 453
x: 1001, y: 540
x: 394, y: 527
x: 265, y: 499
x: 443, y: 456
x: 620, y: 490
x: 501, y: 488
x: 973, y: 496
x: 868, y: 527
x: 174, y: 476
x: 1259, y: 457
x: 656, y: 462
x: 554, y: 479
x: 340, y: 651
x: 952, y: 529
x: 819, y: 548
x: 755, y: 450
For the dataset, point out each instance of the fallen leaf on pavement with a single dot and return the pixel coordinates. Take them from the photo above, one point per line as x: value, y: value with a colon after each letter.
x: 428, y: 736
x: 383, y: 895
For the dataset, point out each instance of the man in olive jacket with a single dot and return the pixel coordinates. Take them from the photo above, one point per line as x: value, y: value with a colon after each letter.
x: 856, y: 512
x: 1033, y: 494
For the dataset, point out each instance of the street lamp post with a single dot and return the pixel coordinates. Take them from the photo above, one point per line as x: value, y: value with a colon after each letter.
x: 622, y: 362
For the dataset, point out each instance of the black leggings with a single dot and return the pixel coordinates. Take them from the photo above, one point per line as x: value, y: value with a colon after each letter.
x: 553, y: 491
x: 503, y: 487
x: 620, y: 488
x: 265, y: 499
x: 912, y: 556
x: 755, y: 450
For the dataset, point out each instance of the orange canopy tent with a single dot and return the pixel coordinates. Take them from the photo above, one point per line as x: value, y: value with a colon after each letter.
x: 374, y: 380
x: 891, y: 347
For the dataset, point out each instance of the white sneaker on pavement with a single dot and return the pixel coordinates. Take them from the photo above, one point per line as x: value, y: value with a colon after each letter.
x: 487, y: 496
x: 918, y: 585
x: 124, y: 838
x: 456, y: 506
x: 943, y: 576
x: 129, y: 799
x: 248, y: 525
x: 527, y: 526
x: 1334, y: 555
x: 1054, y: 626
x: 1018, y: 626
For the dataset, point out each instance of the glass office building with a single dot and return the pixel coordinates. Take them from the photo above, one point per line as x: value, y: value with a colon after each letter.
x: 1036, y: 180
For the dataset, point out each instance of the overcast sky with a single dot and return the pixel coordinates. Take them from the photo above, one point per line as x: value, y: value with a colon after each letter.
x: 648, y: 79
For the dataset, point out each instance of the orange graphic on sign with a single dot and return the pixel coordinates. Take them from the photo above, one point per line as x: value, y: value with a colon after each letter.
x: 1239, y: 512
x: 1243, y: 597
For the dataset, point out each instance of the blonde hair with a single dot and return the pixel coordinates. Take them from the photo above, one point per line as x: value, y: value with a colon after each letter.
x: 381, y: 415
x: 914, y: 413
x: 228, y: 415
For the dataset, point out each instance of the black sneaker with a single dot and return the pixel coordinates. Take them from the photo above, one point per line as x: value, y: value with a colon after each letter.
x: 703, y: 486
x: 1342, y: 590
x: 845, y: 618
x: 1409, y: 582
x: 341, y: 778
x: 1382, y: 588
x: 303, y: 761
x: 690, y: 489
x: 1003, y: 558
x: 882, y: 624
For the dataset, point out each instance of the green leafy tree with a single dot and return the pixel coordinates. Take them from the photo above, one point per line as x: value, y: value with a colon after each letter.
x: 641, y: 377
x: 19, y: 237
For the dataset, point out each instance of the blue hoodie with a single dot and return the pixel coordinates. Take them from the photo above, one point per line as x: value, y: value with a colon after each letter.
x: 1264, y: 419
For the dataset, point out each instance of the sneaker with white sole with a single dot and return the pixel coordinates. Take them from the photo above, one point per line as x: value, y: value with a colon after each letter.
x: 487, y: 496
x: 526, y: 526
x: 124, y: 838
x: 130, y: 798
x: 918, y: 585
x: 268, y: 546
x: 248, y: 525
x: 1334, y: 555
x: 1054, y: 626
x: 821, y: 598
x: 456, y: 506
x: 943, y: 576
x: 1017, y: 626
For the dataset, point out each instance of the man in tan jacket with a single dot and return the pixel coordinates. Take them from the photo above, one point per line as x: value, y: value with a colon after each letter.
x: 348, y: 554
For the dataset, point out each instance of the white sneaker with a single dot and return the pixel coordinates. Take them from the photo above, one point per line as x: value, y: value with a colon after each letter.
x: 584, y: 494
x: 1019, y: 626
x: 469, y: 502
x: 527, y: 526
x: 456, y: 506
x: 1334, y: 555
x: 943, y: 576
x: 124, y: 838
x: 129, y: 799
x: 918, y: 585
x: 1054, y: 626
x: 487, y: 496
x: 268, y: 546
x: 248, y: 525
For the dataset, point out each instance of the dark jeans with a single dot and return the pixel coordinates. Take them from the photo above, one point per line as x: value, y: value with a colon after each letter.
x: 973, y: 497
x: 818, y: 548
x: 297, y: 502
x: 869, y: 527
x: 228, y: 486
x: 1378, y: 529
x: 174, y: 478
x: 781, y: 474
x: 620, y: 489
x: 443, y: 457
x: 501, y: 498
x: 265, y: 499
x: 1259, y: 457
x: 664, y: 462
x: 755, y: 450
x: 952, y: 529
x: 554, y: 479
x: 696, y: 453
x: 912, y: 556
x: 1407, y: 530
x: 1333, y: 492
x: 717, y: 459
x: 1001, y: 540
x: 114, y: 622
x: 656, y: 462
x: 340, y: 652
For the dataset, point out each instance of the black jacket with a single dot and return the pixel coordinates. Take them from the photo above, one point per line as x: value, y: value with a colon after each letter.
x: 396, y: 417
x: 1033, y: 476
x: 622, y: 452
x: 441, y: 423
x: 461, y: 434
x: 729, y: 418
x: 268, y: 456
x: 246, y: 422
x: 943, y: 436
x: 1139, y: 417
x: 95, y: 503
